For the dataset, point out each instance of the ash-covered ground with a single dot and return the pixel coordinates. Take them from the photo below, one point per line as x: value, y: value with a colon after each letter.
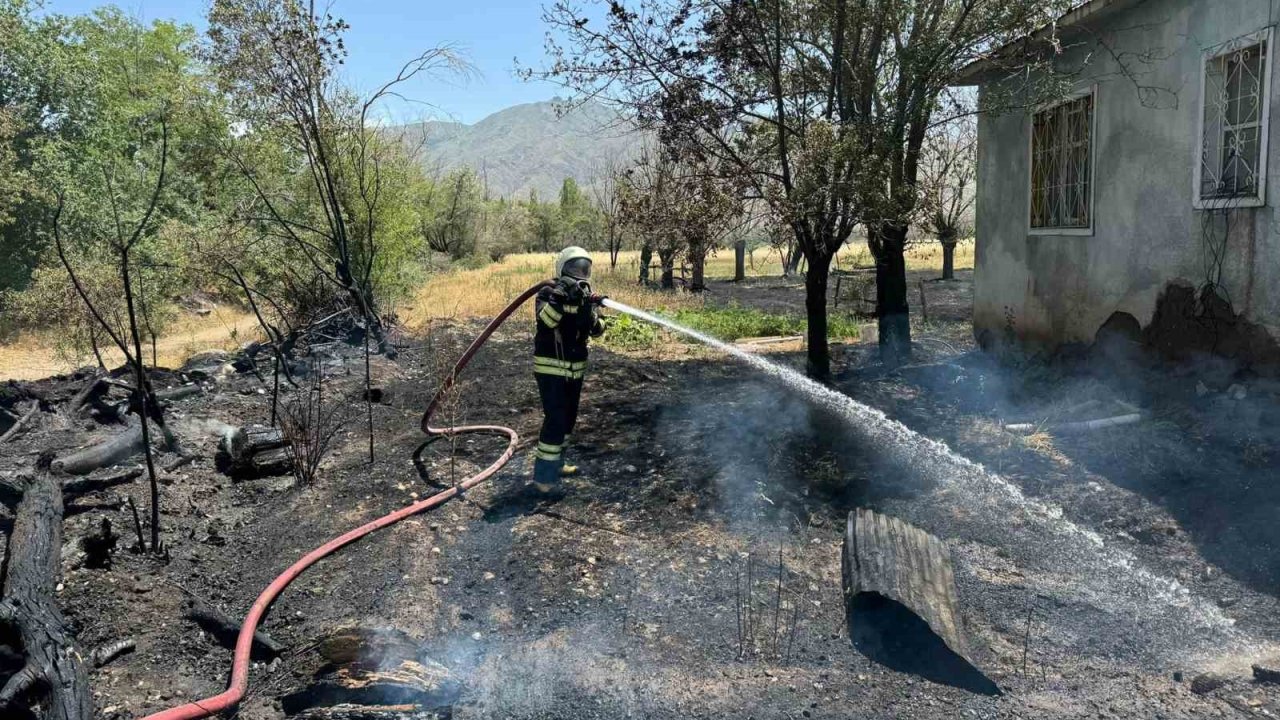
x: 1099, y: 573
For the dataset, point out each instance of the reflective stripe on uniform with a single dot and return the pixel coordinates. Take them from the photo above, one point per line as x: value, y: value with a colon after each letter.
x: 550, y: 316
x: 549, y: 448
x: 561, y: 372
x: 571, y: 309
x: 541, y: 455
x: 557, y: 362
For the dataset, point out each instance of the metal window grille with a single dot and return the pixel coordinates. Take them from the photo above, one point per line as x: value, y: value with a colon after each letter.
x: 1230, y: 153
x: 1061, y: 165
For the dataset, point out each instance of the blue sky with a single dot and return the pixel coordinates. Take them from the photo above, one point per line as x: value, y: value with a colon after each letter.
x: 386, y: 33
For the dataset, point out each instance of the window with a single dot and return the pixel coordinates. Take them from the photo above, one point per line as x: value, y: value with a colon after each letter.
x: 1062, y: 165
x: 1231, y: 168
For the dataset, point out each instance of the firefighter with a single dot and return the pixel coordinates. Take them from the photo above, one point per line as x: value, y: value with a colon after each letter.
x: 567, y: 317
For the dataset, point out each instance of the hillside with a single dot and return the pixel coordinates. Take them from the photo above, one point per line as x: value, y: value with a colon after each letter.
x: 526, y: 146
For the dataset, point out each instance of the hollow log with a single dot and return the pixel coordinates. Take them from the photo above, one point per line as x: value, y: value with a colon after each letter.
x: 111, y: 452
x: 225, y: 630
x: 55, y: 676
x: 900, y: 601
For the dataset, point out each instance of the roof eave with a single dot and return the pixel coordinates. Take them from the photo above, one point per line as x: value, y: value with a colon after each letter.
x: 982, y: 69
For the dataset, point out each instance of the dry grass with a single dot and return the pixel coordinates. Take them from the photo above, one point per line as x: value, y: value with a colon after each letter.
x: 483, y: 292
x: 34, y: 355
x: 456, y: 294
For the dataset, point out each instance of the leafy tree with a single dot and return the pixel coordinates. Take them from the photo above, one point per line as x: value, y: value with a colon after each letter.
x: 820, y: 106
x: 545, y: 225
x: 646, y: 204
x: 115, y: 187
x: 449, y: 215
x: 278, y: 61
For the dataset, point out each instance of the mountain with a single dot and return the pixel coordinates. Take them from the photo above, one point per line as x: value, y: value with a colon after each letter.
x: 527, y: 147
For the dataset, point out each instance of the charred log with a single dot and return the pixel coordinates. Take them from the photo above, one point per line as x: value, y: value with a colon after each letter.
x: 54, y: 676
x: 111, y: 452
x: 20, y: 424
x: 225, y: 630
x: 372, y: 667
x: 13, y: 486
x: 101, y: 480
x: 111, y: 651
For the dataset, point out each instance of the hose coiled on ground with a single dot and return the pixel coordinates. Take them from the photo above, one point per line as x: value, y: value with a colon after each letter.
x: 244, y: 642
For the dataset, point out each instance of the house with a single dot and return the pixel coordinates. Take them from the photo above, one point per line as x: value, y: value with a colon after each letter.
x: 1140, y: 197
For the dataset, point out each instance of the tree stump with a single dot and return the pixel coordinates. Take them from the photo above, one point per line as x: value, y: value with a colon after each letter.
x: 55, y: 676
x: 253, y: 451
x: 369, y: 668
x: 900, y: 601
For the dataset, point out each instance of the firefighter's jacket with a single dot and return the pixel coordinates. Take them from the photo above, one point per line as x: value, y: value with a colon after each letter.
x: 564, y: 327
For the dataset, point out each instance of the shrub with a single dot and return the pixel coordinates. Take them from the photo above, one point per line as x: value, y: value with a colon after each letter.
x: 625, y: 332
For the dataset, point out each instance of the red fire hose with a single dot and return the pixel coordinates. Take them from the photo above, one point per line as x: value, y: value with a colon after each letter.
x: 240, y: 664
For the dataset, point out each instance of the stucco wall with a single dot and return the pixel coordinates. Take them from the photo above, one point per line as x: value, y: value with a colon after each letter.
x: 1056, y: 289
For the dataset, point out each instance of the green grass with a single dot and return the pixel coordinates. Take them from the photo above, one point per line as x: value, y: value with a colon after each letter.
x: 736, y: 322
x: 725, y: 323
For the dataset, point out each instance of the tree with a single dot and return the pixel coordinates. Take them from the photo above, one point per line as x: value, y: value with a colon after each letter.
x: 948, y: 173
x: 605, y: 191
x: 449, y: 215
x: 278, y: 60
x: 645, y: 206
x: 544, y: 223
x: 821, y: 107
x: 749, y: 84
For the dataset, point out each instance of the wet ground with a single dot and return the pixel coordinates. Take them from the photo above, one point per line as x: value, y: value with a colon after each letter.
x: 626, y: 598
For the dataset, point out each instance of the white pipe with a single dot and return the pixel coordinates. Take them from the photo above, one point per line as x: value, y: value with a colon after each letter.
x: 1098, y: 424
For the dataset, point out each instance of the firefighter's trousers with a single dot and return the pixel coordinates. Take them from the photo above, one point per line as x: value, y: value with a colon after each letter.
x: 560, y: 396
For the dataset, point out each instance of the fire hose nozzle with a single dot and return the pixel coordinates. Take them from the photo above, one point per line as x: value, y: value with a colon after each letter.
x: 597, y: 298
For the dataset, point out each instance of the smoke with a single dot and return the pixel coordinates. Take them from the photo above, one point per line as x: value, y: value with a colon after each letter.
x: 740, y: 443
x: 1093, y: 588
x: 569, y: 673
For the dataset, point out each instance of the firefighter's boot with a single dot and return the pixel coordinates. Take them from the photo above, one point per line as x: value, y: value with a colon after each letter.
x: 546, y: 477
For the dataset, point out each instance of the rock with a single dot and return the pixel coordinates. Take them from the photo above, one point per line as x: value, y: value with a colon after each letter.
x: 1207, y: 682
x: 1267, y: 673
x: 1237, y: 392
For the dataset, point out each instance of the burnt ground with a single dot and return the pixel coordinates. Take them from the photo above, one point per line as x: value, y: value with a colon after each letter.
x: 1097, y: 575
